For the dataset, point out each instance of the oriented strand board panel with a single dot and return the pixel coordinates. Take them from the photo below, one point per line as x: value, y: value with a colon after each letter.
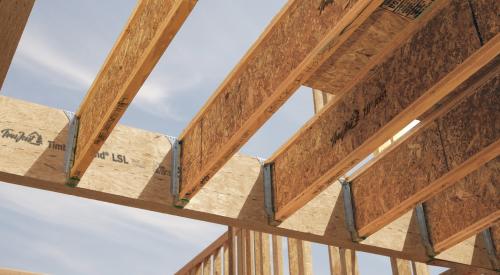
x: 146, y: 36
x: 13, y: 17
x: 296, y: 42
x: 430, y: 160
x: 373, y: 36
x: 487, y: 22
x: 32, y: 139
x: 466, y: 208
x: 379, y: 106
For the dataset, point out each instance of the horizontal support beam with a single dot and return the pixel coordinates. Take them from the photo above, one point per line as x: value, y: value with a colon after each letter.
x: 298, y: 40
x: 427, y: 62
x: 439, y: 154
x: 149, y: 31
x: 372, y: 37
x: 466, y: 208
x: 32, y: 154
x: 13, y: 18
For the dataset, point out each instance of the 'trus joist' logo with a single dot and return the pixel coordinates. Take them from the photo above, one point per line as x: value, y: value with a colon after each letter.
x: 33, y: 138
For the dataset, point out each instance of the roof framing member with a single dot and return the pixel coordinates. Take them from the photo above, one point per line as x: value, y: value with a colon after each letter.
x: 445, y: 148
x: 145, y: 166
x: 285, y: 55
x: 150, y: 29
x: 13, y: 18
x: 372, y: 111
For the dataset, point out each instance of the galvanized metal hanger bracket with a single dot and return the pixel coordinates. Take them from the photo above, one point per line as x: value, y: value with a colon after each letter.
x: 69, y: 154
x: 349, y: 210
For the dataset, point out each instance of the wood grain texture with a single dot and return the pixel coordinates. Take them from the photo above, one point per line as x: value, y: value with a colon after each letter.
x: 218, y: 262
x: 372, y: 37
x: 299, y: 257
x: 433, y: 59
x: 419, y: 268
x: 400, y: 266
x: 486, y: 14
x: 207, y: 266
x: 149, y: 31
x: 277, y: 243
x: 342, y: 261
x: 432, y: 159
x: 213, y: 249
x: 13, y: 18
x: 297, y: 41
x: 466, y: 208
x: 234, y: 196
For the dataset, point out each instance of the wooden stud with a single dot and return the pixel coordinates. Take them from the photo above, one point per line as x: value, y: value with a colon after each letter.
x: 207, y: 266
x: 440, y: 153
x: 299, y: 257
x: 350, y: 128
x: 342, y: 261
x: 218, y: 262
x: 262, y: 82
x: 266, y: 257
x: 400, y: 266
x: 277, y: 255
x: 419, y: 268
x: 148, y: 32
x: 13, y: 18
x: 249, y: 256
x: 212, y: 249
x: 38, y: 162
x: 240, y: 252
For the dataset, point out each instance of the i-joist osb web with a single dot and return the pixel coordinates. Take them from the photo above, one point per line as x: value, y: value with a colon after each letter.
x: 432, y: 196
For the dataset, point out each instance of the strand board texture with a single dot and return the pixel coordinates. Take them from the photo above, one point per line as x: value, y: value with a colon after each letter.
x: 426, y: 159
x: 373, y: 36
x: 32, y: 139
x: 298, y: 40
x: 374, y: 110
x: 13, y: 18
x: 149, y: 31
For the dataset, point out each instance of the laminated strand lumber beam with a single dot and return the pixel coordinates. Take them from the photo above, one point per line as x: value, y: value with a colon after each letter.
x: 298, y: 40
x: 452, y: 142
x: 32, y: 145
x: 426, y: 62
x: 13, y: 18
x: 150, y: 29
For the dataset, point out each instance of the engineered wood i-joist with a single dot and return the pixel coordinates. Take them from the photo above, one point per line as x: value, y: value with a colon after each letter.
x: 360, y: 48
x: 426, y: 62
x: 13, y: 17
x: 475, y: 199
x: 148, y: 32
x: 439, y: 154
x: 32, y: 144
x: 296, y: 42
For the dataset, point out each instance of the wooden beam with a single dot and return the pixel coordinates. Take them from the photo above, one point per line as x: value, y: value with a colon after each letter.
x: 466, y: 208
x: 149, y: 31
x: 213, y: 248
x: 400, y: 266
x: 342, y: 261
x: 352, y: 127
x: 277, y: 255
x: 13, y: 18
x: 218, y: 262
x: 307, y: 35
x: 419, y: 268
x: 441, y: 152
x: 299, y: 257
x: 371, y: 38
x: 37, y: 160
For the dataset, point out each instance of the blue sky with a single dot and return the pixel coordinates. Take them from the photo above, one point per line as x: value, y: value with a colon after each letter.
x: 61, y: 51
